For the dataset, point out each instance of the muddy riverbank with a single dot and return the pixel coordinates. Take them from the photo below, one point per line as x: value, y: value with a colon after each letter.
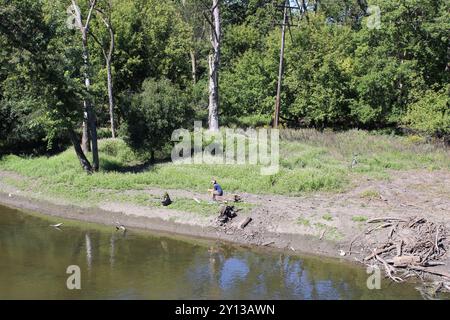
x: 319, y: 223
x: 164, y: 221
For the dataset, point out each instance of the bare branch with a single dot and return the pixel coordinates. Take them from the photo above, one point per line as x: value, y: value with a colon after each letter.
x: 99, y: 43
x: 91, y: 8
x: 213, y: 29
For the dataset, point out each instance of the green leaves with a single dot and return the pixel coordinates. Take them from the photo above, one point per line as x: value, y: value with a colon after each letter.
x: 154, y: 114
x: 338, y: 72
x: 431, y: 113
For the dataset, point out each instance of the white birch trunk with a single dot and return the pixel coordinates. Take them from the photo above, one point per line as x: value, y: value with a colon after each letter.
x: 214, y: 61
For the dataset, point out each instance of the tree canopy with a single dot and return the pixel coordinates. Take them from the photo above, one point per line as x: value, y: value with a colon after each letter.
x: 340, y: 71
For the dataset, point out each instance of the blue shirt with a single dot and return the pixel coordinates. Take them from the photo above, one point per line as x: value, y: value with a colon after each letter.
x: 218, y: 188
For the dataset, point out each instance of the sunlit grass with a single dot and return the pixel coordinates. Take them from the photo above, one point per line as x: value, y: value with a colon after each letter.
x: 309, y: 161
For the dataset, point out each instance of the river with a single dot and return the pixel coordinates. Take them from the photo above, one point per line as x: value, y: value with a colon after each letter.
x: 34, y: 258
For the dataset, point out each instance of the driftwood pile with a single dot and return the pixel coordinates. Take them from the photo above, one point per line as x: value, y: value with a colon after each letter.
x: 406, y: 248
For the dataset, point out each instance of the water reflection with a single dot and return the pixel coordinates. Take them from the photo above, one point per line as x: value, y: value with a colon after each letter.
x: 111, y: 250
x: 33, y: 260
x: 88, y: 251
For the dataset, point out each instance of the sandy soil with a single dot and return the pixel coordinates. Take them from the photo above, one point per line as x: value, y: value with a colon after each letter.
x: 320, y: 223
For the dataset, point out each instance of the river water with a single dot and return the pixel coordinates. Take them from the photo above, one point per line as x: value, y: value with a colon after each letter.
x: 34, y: 258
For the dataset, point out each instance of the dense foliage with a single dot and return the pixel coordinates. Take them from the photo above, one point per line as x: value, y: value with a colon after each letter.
x: 154, y: 114
x: 340, y: 71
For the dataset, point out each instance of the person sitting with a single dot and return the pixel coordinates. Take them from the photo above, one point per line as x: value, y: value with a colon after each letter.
x: 216, y: 191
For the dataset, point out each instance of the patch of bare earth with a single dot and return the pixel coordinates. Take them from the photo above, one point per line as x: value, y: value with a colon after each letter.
x: 328, y: 216
x: 5, y: 186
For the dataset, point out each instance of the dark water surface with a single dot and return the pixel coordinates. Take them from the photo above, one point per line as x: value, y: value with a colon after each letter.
x: 141, y: 265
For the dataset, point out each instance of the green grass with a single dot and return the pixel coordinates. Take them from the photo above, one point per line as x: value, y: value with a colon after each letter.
x: 327, y: 217
x: 320, y: 225
x: 304, y: 222
x: 310, y: 161
x: 331, y: 233
x: 359, y: 218
x: 370, y: 194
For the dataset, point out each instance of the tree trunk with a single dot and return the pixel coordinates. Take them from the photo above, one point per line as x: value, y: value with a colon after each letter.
x: 85, y: 141
x: 280, y: 67
x: 85, y: 164
x: 152, y: 156
x: 108, y: 58
x: 193, y: 66
x: 110, y: 98
x: 92, y: 124
x: 214, y: 61
x: 89, y: 122
x: 213, y: 107
x: 91, y: 119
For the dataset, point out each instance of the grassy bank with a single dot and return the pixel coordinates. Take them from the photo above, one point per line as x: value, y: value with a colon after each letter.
x: 309, y: 161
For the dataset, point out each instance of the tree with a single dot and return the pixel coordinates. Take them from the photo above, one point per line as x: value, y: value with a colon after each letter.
x: 431, y: 113
x: 89, y: 124
x: 37, y: 40
x: 192, y: 14
x: 248, y: 87
x: 213, y: 18
x: 19, y: 132
x: 107, y: 48
x: 317, y: 82
x: 406, y: 55
x: 154, y: 114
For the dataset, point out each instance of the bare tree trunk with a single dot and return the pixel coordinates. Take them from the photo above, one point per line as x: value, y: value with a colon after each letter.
x: 108, y: 58
x: 213, y: 107
x: 214, y: 61
x: 193, y: 66
x: 190, y: 11
x: 85, y: 141
x: 91, y: 119
x: 85, y: 164
x: 105, y: 16
x: 280, y: 66
x: 110, y: 98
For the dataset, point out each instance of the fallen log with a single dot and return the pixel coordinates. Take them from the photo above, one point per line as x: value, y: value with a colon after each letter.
x: 385, y: 219
x: 431, y: 271
x: 385, y: 225
x: 379, y: 251
x: 245, y: 222
x: 433, y: 263
x: 404, y: 261
x: 389, y: 270
x: 322, y: 234
x: 353, y: 240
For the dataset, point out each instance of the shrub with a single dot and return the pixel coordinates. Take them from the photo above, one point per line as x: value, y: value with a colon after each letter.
x: 154, y: 113
x: 430, y: 114
x: 118, y: 149
x: 104, y: 133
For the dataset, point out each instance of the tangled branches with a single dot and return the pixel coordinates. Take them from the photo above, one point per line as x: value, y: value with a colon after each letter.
x: 406, y: 248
